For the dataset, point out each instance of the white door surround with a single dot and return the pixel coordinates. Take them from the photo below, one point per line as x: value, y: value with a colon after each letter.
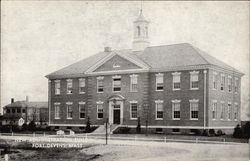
x: 115, y: 100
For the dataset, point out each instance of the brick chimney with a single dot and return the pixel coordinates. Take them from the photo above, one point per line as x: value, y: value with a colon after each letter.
x: 27, y: 98
x: 12, y: 100
x: 107, y: 49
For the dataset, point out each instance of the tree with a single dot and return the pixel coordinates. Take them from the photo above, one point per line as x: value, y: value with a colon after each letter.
x: 138, y: 128
x: 237, y: 132
x: 32, y: 126
x: 88, y: 124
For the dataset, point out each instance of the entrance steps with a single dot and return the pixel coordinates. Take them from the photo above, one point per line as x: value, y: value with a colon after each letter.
x: 102, y: 129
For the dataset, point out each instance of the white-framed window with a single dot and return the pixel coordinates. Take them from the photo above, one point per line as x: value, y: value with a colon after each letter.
x: 116, y: 65
x: 236, y: 108
x: 194, y: 80
x: 222, y: 110
x: 82, y: 110
x: 194, y: 109
x: 176, y: 109
x: 229, y: 111
x: 99, y: 110
x: 236, y: 85
x: 133, y: 110
x: 214, y: 109
x: 69, y: 106
x: 133, y: 83
x: 159, y: 81
x: 69, y: 86
x: 57, y: 110
x: 176, y: 81
x: 215, y: 80
x: 82, y: 85
x: 229, y: 83
x: 222, y: 82
x: 159, y: 110
x: 57, y: 87
x: 116, y: 83
x: 100, y: 86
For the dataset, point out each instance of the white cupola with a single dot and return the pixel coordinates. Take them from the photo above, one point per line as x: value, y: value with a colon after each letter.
x: 141, y: 40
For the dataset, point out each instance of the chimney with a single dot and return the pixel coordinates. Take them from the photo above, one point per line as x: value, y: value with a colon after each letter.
x: 107, y: 49
x: 12, y: 100
x: 27, y: 98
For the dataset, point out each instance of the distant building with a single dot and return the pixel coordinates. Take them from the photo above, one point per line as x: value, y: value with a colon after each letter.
x: 171, y: 87
x: 19, y: 112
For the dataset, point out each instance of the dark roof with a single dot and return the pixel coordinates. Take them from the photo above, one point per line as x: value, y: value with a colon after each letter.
x: 28, y: 104
x: 156, y: 57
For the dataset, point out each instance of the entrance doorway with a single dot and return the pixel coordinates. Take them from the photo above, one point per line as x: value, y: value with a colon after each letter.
x: 116, y: 109
x: 117, y: 116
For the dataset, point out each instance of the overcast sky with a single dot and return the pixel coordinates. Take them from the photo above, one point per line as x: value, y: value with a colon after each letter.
x: 39, y: 37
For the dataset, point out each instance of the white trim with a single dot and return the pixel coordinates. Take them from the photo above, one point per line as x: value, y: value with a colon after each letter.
x: 194, y: 100
x: 111, y: 55
x: 100, y: 78
x: 214, y: 101
x: 190, y: 112
x: 99, y: 102
x: 127, y: 71
x: 116, y: 76
x: 159, y: 102
x: 175, y: 102
x: 57, y: 81
x: 130, y: 105
x: 69, y: 80
x: 57, y: 103
x: 159, y: 75
x: 194, y: 72
x: 69, y: 103
x: 176, y: 73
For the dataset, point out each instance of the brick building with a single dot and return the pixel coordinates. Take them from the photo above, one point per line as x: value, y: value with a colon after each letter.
x: 25, y: 110
x: 171, y: 87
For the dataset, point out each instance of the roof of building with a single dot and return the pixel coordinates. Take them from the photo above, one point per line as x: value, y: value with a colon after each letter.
x: 28, y: 104
x: 156, y: 57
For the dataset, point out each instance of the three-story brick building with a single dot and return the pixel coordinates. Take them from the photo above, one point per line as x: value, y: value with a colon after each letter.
x: 170, y: 87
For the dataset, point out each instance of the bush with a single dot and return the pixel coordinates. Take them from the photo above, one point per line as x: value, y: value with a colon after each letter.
x: 237, y: 132
x: 246, y: 130
x: 24, y: 127
x: 211, y: 132
x: 123, y: 130
x: 219, y: 133
x: 32, y: 126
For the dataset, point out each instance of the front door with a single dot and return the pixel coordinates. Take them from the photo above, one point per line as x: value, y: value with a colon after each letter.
x: 117, y: 114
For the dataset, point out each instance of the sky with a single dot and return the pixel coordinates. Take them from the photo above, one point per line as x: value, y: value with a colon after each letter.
x: 40, y: 37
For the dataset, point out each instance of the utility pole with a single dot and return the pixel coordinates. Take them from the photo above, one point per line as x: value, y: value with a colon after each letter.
x: 106, y: 131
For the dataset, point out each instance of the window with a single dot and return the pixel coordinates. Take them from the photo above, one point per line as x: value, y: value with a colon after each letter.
x: 8, y: 110
x: 194, y: 110
x: 57, y: 86
x: 57, y: 110
x: 146, y: 30
x: 115, y: 65
x: 194, y: 79
x: 99, y: 110
x: 23, y: 111
x: 176, y: 81
x: 100, y: 87
x: 230, y: 84
x: 82, y: 110
x: 214, y: 109
x: 18, y: 110
x: 13, y: 110
x: 159, y: 109
x: 69, y: 110
x: 222, y: 110
x: 176, y: 130
x: 176, y: 106
x: 159, y: 82
x: 138, y: 31
x: 222, y: 82
x: 214, y: 80
x: 81, y: 85
x: 69, y: 86
x: 133, y: 83
x: 133, y: 110
x: 236, y: 85
x: 116, y: 83
x: 229, y: 111
x: 236, y: 107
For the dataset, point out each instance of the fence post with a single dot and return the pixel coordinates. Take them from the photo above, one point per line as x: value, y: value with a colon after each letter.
x: 12, y: 134
x: 34, y: 134
x: 196, y: 140
x: 224, y: 140
x: 165, y: 139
